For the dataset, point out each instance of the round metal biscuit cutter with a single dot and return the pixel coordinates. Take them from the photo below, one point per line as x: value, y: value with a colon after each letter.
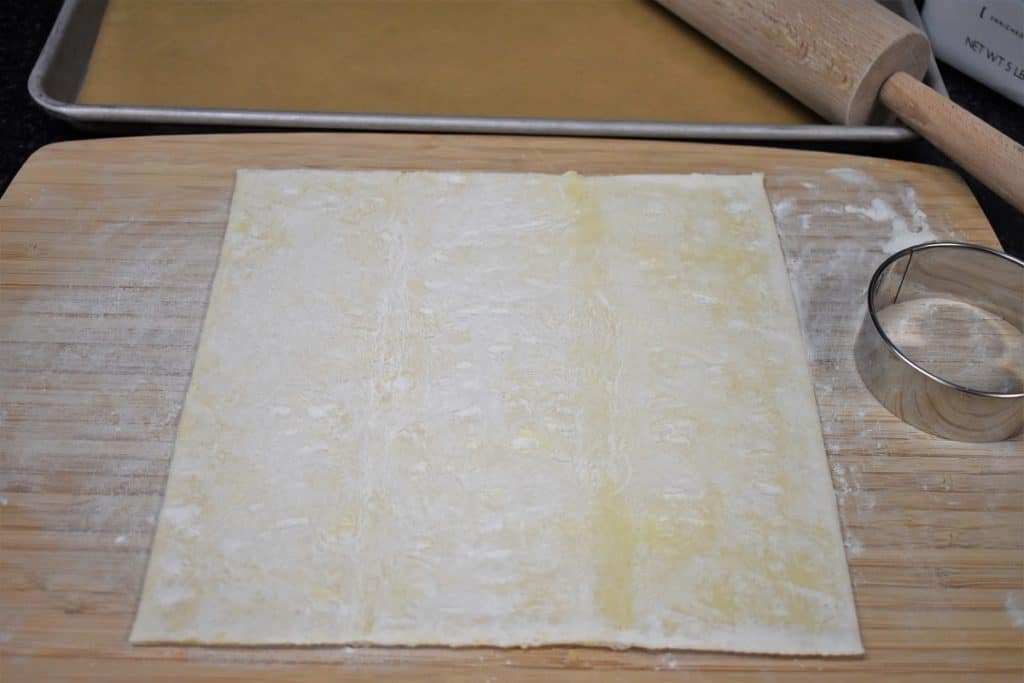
x: 967, y: 273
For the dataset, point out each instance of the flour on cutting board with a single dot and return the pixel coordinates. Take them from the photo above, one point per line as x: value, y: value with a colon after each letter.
x: 827, y: 255
x: 908, y: 224
x: 783, y: 207
x: 1015, y: 608
x: 851, y: 176
x: 829, y: 260
x: 906, y: 232
x: 846, y: 480
x: 129, y: 302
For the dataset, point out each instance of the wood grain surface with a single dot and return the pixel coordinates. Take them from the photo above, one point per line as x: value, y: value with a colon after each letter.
x: 108, y: 251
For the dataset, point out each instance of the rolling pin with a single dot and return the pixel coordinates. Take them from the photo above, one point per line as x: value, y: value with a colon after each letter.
x: 851, y: 61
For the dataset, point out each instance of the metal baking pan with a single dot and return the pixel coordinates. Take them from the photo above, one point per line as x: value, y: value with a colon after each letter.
x: 59, y: 72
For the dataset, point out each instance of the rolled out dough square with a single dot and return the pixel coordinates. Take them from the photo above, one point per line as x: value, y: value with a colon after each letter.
x: 500, y: 409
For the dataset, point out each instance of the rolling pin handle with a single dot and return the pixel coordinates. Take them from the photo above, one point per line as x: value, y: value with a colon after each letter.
x: 981, y: 150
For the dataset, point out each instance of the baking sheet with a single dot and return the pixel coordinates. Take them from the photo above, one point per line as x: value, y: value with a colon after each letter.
x: 445, y: 65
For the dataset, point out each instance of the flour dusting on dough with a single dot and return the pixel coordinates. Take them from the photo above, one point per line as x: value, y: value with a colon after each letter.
x: 491, y: 435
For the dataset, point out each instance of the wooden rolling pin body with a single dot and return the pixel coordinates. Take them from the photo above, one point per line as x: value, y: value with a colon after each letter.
x: 839, y: 57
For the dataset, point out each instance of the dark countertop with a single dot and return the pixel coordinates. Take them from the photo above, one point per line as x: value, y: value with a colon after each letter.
x: 24, y: 127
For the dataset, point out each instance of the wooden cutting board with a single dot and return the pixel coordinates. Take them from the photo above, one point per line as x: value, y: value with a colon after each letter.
x: 108, y: 251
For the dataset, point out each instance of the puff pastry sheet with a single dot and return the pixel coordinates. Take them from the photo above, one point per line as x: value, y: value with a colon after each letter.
x: 500, y: 409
